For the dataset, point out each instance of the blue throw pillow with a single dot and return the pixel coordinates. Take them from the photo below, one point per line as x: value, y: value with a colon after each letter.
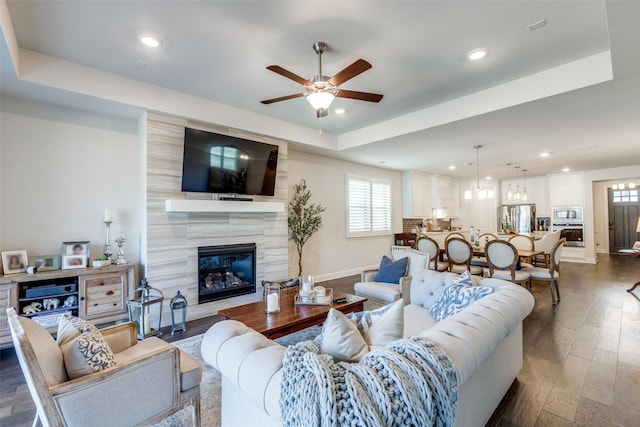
x: 458, y: 296
x: 390, y: 271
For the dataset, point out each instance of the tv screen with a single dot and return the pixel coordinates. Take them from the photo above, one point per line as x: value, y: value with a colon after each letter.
x: 215, y: 163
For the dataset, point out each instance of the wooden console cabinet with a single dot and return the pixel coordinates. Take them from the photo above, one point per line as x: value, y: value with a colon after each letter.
x: 98, y: 295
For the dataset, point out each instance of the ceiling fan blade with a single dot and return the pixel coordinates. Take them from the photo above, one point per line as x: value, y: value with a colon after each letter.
x: 358, y: 67
x: 282, y: 98
x: 362, y: 96
x: 288, y: 74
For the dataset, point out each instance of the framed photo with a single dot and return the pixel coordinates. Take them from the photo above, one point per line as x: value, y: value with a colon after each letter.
x: 14, y: 262
x: 70, y: 262
x: 76, y: 248
x: 46, y: 262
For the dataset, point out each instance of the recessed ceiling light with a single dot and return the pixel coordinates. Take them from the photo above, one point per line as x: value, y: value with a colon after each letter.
x: 489, y: 178
x: 452, y: 167
x: 476, y: 54
x: 566, y: 169
x: 544, y: 154
x: 340, y: 110
x: 149, y: 40
x: 538, y: 24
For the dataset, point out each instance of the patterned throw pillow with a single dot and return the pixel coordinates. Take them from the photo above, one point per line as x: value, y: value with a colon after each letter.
x: 70, y: 327
x: 381, y: 326
x: 390, y: 271
x: 457, y: 296
x: 87, y: 353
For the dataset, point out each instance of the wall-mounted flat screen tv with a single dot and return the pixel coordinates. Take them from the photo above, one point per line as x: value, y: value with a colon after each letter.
x: 215, y: 163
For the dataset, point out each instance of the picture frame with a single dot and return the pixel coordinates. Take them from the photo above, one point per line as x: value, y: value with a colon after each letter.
x: 76, y: 248
x: 70, y: 262
x: 46, y: 262
x: 14, y: 261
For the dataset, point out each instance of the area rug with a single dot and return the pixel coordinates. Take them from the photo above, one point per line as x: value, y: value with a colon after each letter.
x: 210, y: 386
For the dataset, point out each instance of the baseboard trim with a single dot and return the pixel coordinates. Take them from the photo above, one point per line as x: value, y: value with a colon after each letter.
x: 343, y: 273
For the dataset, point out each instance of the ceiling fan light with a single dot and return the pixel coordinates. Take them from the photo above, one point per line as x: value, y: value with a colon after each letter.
x: 320, y: 100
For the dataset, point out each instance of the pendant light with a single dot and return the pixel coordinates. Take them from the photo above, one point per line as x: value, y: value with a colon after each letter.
x: 509, y: 191
x: 518, y: 195
x: 476, y: 191
x: 525, y: 196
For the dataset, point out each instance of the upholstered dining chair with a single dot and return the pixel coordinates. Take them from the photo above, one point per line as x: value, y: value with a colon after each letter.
x: 522, y: 243
x: 459, y: 254
x: 427, y: 244
x: 502, y: 258
x: 551, y: 274
x: 483, y: 239
x: 150, y: 380
x: 452, y: 235
x: 545, y: 245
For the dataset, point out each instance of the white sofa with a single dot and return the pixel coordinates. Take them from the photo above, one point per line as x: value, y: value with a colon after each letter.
x: 484, y: 342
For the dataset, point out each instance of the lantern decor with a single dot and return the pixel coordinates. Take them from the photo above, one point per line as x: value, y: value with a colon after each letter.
x: 271, y: 297
x: 145, y: 309
x: 178, y: 305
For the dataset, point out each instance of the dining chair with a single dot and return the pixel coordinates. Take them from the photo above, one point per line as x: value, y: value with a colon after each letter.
x: 459, y: 254
x: 483, y: 239
x: 454, y: 234
x: 545, y: 245
x: 502, y: 258
x: 523, y: 243
x: 551, y: 274
x: 427, y: 244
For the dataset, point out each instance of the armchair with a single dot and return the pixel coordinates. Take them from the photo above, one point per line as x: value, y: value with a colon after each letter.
x: 381, y: 292
x: 150, y: 381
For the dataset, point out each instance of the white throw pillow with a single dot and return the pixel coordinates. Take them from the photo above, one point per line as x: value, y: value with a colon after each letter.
x: 341, y: 338
x: 418, y: 261
x: 381, y: 326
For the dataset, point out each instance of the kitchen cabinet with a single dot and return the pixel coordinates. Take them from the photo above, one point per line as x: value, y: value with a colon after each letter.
x: 445, y: 196
x: 416, y: 195
x: 566, y: 190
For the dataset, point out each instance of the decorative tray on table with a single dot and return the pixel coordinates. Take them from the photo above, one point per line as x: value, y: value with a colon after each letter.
x: 319, y: 296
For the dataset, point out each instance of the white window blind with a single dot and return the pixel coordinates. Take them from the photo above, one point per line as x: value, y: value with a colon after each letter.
x: 369, y: 206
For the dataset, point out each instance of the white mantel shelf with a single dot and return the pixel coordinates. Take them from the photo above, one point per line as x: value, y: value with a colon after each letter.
x: 182, y: 205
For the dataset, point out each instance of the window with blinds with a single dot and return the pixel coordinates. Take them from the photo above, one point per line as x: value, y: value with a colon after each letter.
x: 369, y: 206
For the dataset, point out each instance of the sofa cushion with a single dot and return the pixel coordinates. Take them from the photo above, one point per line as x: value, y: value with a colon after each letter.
x: 392, y: 271
x: 87, y: 353
x: 417, y: 260
x: 190, y: 370
x: 457, y: 296
x: 381, y: 326
x: 341, y: 338
x: 416, y: 320
x: 70, y: 327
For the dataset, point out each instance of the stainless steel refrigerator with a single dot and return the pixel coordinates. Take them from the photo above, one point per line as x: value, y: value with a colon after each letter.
x: 519, y: 218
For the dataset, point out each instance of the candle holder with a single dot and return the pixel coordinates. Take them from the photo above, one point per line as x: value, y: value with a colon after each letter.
x: 272, y: 298
x: 107, y: 247
x: 120, y: 242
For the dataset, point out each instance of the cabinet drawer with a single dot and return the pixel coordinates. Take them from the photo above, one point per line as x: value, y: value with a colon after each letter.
x: 104, y: 295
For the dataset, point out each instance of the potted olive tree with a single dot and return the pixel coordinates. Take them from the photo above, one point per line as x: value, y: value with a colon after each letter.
x: 304, y: 218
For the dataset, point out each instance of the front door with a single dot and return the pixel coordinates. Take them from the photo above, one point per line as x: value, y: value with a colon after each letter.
x: 624, y: 209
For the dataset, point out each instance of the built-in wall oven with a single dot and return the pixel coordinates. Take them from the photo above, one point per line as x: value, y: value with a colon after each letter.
x: 570, y: 222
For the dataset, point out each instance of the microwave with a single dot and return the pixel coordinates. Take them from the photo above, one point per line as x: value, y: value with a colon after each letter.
x: 568, y: 215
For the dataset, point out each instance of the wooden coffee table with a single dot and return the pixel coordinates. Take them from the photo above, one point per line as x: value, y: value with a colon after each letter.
x: 291, y: 318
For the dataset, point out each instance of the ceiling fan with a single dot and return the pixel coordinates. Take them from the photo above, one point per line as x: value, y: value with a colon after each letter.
x: 322, y: 90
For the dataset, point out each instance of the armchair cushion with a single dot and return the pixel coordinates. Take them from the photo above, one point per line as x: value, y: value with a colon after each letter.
x: 390, y: 271
x: 46, y: 350
x: 87, y: 353
x: 458, y: 296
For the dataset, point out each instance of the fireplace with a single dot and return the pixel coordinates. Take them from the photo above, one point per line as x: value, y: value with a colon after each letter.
x: 226, y: 271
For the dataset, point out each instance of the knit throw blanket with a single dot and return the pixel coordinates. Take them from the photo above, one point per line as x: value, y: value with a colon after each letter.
x: 410, y: 382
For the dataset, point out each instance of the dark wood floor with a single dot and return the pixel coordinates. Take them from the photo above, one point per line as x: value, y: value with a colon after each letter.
x: 581, y: 357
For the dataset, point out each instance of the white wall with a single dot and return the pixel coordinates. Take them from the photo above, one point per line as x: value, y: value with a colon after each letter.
x: 60, y: 168
x: 328, y: 253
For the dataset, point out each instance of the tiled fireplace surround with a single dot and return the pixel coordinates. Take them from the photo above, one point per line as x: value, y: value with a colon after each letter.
x: 170, y: 240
